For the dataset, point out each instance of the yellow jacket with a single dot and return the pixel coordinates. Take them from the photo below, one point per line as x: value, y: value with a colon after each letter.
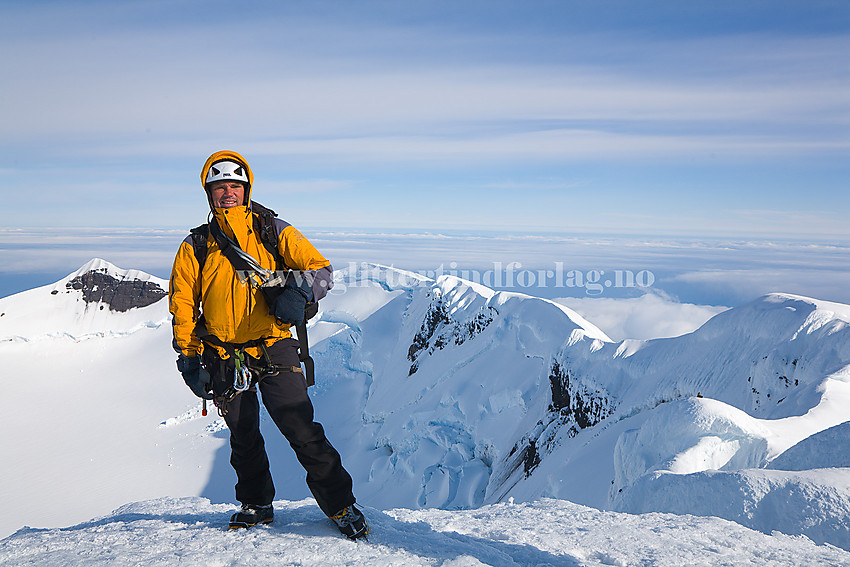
x: 235, y: 311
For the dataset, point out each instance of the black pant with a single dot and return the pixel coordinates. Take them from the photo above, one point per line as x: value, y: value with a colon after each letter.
x: 285, y: 397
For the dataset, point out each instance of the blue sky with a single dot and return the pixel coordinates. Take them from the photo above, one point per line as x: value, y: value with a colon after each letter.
x: 707, y: 142
x: 723, y: 118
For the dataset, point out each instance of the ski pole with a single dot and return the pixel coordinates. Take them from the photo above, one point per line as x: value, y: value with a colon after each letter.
x: 204, y: 408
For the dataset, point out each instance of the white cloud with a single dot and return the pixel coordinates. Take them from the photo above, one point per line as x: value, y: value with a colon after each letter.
x: 701, y: 272
x: 397, y: 103
x: 431, y: 113
x: 647, y: 317
x: 162, y: 89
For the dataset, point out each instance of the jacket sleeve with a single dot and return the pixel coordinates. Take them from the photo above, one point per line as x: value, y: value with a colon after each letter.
x: 184, y: 299
x: 300, y: 254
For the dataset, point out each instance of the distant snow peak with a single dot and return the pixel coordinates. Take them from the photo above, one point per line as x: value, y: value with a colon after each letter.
x: 120, y: 290
x: 97, y: 300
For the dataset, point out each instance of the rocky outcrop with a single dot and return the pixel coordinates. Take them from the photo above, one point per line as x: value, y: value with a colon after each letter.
x: 450, y: 331
x: 98, y: 286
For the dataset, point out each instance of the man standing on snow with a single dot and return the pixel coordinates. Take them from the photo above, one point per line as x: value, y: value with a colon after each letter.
x: 233, y: 337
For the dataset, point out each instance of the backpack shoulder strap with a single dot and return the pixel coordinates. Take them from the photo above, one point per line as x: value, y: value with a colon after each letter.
x: 267, y: 228
x: 199, y: 236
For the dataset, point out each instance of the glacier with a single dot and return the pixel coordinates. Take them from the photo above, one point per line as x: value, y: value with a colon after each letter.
x: 444, y: 394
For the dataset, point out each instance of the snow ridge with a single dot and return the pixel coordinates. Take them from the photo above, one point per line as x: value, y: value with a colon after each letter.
x: 444, y: 394
x: 484, y: 395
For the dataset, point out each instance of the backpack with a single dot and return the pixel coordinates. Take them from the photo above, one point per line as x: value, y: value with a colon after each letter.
x: 266, y: 228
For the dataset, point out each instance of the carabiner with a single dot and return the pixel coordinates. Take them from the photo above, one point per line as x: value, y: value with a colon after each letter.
x: 241, y: 374
x: 242, y: 379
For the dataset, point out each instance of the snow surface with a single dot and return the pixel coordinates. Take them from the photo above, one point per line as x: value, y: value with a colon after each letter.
x: 190, y: 531
x: 828, y: 448
x: 469, y: 420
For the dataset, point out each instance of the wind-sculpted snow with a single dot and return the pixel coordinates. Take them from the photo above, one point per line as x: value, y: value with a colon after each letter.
x: 731, y: 396
x: 189, y: 532
x: 826, y: 449
x: 710, y: 435
x: 484, y: 395
x: 768, y: 358
x: 815, y: 503
x: 709, y: 467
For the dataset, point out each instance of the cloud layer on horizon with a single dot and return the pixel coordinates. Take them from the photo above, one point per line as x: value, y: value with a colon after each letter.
x: 705, y: 271
x: 407, y: 113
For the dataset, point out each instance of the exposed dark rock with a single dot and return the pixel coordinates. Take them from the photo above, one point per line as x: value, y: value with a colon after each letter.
x: 524, y: 454
x: 453, y: 331
x: 437, y: 315
x: 574, y: 406
x: 120, y: 295
x: 469, y: 329
x: 576, y: 401
x: 530, y: 458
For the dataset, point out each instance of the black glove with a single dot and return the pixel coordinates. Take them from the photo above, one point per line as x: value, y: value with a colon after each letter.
x: 195, y: 376
x: 290, y: 304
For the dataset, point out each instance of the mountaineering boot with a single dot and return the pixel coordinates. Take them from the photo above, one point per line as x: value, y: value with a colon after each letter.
x: 351, y: 522
x: 251, y: 515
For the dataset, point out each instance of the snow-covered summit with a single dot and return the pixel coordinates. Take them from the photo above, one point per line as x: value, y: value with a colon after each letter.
x: 102, y: 266
x: 447, y: 394
x: 96, y: 300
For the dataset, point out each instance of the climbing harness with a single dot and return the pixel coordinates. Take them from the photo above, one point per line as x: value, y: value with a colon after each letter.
x: 247, y: 373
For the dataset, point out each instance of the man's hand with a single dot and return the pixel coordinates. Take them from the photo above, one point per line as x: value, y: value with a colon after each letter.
x: 195, y: 376
x: 290, y: 304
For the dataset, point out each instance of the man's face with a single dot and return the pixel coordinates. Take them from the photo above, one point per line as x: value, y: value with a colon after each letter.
x: 226, y: 194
